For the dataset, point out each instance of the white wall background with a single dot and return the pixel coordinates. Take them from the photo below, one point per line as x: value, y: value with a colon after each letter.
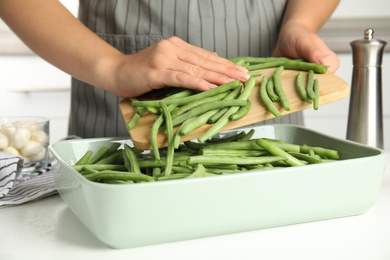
x: 30, y: 86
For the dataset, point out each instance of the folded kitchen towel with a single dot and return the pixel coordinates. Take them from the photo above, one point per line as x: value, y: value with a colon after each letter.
x: 10, y: 167
x: 17, y: 187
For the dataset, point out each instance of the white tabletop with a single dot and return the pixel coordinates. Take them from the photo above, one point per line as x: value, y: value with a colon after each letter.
x: 47, y: 229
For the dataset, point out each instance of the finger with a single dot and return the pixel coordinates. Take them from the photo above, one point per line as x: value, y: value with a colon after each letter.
x: 182, y: 79
x: 331, y: 61
x: 209, y: 60
x: 198, y: 72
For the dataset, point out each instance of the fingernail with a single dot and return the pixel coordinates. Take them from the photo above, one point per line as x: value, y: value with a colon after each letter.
x: 211, y: 86
x: 323, y: 60
x: 244, y: 77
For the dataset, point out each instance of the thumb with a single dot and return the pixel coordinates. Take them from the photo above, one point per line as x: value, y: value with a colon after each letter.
x: 330, y: 60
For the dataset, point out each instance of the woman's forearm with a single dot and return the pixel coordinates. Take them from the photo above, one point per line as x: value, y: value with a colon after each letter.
x: 52, y: 32
x: 311, y: 14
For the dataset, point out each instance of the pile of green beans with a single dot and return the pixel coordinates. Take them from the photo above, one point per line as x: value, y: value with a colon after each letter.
x: 237, y: 153
x: 258, y: 63
x: 271, y: 89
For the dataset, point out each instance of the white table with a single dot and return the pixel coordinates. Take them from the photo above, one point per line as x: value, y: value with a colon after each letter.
x: 47, y: 229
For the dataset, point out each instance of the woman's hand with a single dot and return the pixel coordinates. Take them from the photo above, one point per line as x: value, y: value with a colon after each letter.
x: 298, y: 42
x: 172, y: 62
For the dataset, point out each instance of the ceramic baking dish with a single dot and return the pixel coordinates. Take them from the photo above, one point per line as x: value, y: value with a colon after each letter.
x: 124, y: 216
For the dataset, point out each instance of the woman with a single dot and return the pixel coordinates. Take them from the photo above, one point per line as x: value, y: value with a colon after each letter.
x: 124, y: 48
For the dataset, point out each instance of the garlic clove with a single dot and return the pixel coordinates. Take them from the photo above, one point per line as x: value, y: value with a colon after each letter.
x: 40, y: 136
x: 39, y: 156
x: 8, y: 129
x: 11, y: 150
x: 21, y: 137
x: 31, y: 148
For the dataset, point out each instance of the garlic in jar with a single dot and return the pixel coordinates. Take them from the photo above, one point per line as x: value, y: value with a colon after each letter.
x: 25, y: 137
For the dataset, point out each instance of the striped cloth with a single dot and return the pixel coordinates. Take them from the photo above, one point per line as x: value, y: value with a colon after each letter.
x: 17, y: 187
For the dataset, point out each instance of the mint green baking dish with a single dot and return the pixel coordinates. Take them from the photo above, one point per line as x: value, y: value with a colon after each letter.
x: 125, y: 216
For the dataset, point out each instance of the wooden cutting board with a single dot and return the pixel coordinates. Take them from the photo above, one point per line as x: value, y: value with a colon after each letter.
x: 332, y: 88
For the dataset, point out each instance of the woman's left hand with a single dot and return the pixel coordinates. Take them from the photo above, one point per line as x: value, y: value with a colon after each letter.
x: 297, y: 42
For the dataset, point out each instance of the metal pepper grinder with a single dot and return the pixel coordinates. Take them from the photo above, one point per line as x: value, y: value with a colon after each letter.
x: 365, y: 117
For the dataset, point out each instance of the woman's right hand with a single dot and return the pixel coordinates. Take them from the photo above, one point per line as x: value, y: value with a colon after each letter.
x: 171, y: 62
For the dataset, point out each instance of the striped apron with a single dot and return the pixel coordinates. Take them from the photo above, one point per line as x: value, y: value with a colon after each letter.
x: 229, y: 27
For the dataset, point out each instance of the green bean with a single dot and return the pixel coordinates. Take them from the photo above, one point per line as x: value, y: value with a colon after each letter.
x: 229, y: 138
x: 100, y: 167
x: 117, y: 181
x: 232, y: 95
x: 316, y: 89
x: 216, y: 160
x: 248, y: 135
x: 181, y: 101
x: 275, y: 150
x: 263, y: 59
x: 254, y: 74
x: 119, y: 175
x: 288, y: 147
x: 279, y: 88
x: 236, y: 59
x: 242, y: 145
x: 114, y: 158
x: 305, y: 157
x: 266, y: 99
x: 214, y: 118
x: 132, y: 159
x: 126, y: 160
x: 182, y: 169
x: 243, y: 111
x: 156, y: 172
x: 223, y: 167
x: 101, y: 153
x: 310, y: 85
x: 200, y: 171
x: 206, y: 118
x: 208, y: 106
x: 224, y: 120
x: 301, y: 88
x: 85, y: 158
x: 170, y: 134
x: 196, y: 123
x: 153, y: 110
x: 271, y: 90
x: 216, y: 171
x: 179, y: 93
x: 181, y: 110
x: 179, y: 135
x: 154, y: 132
x: 194, y: 145
x: 151, y: 163
x: 133, y: 121
x: 229, y: 152
x: 173, y: 176
x: 304, y: 65
x: 113, y: 148
x: 240, y: 62
x: 323, y: 152
x: 266, y: 65
x: 171, y: 92
x: 88, y: 170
